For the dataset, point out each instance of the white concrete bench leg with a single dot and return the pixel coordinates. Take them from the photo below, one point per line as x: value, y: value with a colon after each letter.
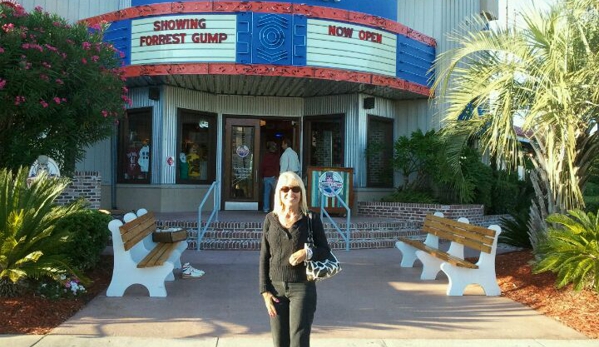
x: 408, y: 254
x: 485, y: 276
x: 430, y: 265
x: 152, y: 278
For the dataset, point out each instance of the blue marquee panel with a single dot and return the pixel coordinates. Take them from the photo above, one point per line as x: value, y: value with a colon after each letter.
x: 414, y: 59
x: 119, y: 34
x: 266, y: 38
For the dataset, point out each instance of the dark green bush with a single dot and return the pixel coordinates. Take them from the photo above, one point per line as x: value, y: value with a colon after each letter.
x: 591, y: 197
x: 410, y: 196
x: 514, y: 230
x: 90, y: 236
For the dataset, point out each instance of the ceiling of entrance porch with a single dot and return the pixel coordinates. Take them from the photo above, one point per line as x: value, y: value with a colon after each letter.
x: 270, y: 86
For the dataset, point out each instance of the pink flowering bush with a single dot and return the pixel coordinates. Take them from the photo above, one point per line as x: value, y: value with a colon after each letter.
x: 61, y: 88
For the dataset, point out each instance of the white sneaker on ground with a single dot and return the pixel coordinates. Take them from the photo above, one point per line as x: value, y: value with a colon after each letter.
x: 191, y: 272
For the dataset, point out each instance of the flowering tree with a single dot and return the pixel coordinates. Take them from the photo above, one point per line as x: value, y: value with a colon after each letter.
x: 61, y: 88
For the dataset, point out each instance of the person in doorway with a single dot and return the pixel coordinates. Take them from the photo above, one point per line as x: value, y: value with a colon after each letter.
x: 289, y: 160
x: 270, y: 169
x: 289, y: 297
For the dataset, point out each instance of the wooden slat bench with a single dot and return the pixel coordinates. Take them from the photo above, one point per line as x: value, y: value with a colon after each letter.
x: 139, y: 260
x: 459, y: 271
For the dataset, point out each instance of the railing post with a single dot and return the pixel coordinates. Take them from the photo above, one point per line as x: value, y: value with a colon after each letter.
x: 214, y: 188
x: 346, y: 236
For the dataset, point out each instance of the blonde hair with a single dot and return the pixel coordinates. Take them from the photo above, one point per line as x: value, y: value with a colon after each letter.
x: 289, y: 179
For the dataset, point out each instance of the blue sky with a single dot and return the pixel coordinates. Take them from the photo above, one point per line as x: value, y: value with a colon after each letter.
x: 515, y: 7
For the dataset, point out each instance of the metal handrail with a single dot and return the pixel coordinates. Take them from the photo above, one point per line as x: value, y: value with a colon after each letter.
x: 215, y: 187
x: 323, y: 212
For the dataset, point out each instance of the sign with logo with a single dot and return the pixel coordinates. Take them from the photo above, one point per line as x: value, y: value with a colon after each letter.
x: 335, y: 184
x: 330, y: 183
x: 44, y: 164
x: 242, y: 151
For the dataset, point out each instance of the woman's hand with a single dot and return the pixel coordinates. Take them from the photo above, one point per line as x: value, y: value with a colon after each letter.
x: 269, y: 301
x: 297, y: 257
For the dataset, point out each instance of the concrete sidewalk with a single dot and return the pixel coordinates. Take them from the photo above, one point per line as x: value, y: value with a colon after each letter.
x: 373, y: 302
x: 83, y: 341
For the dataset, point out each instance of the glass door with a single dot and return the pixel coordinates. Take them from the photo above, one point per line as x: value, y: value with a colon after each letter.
x: 241, y: 186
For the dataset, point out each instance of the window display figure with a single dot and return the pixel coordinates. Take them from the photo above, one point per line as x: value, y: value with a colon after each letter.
x: 144, y: 158
x: 193, y: 162
x: 183, y: 166
x: 132, y: 167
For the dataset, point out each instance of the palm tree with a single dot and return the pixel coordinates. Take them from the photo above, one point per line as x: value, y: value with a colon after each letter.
x: 545, y: 72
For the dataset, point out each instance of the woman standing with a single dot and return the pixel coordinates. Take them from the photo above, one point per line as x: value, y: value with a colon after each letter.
x: 289, y: 297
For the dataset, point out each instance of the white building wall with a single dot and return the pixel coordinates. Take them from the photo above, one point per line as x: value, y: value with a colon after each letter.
x: 438, y: 18
x: 76, y: 10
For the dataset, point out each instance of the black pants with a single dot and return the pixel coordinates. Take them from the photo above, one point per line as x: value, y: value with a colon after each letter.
x: 295, y: 314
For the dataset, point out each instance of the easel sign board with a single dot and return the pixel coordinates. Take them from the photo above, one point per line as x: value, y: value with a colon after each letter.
x: 325, y: 180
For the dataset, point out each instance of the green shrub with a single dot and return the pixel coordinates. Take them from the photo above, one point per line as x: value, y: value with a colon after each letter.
x: 514, y: 230
x: 410, y: 196
x: 571, y: 250
x: 31, y: 247
x: 90, y: 235
x: 591, y: 196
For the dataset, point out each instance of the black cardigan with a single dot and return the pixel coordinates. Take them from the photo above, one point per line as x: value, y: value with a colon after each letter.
x: 279, y: 243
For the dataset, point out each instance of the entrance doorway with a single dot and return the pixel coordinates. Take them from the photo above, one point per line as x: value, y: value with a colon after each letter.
x: 244, y: 147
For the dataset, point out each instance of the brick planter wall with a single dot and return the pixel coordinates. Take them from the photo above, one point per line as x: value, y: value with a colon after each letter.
x: 416, y: 212
x: 86, y: 185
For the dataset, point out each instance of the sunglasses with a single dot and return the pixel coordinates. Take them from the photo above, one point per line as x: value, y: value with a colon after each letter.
x: 295, y: 189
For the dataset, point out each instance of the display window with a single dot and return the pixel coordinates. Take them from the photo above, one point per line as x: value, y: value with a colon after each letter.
x: 324, y: 139
x: 134, y: 147
x: 379, y: 152
x: 196, y: 158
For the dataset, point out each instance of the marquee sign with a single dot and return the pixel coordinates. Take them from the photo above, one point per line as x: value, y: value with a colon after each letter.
x: 300, y: 45
x: 351, y: 47
x: 189, y: 38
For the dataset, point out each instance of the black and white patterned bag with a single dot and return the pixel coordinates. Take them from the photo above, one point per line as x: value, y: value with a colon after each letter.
x: 322, y: 269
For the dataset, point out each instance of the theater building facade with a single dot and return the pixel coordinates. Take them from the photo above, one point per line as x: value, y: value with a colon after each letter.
x: 211, y: 82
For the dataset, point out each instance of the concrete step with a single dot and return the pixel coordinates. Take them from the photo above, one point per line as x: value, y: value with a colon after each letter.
x: 247, y: 235
x: 254, y: 245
